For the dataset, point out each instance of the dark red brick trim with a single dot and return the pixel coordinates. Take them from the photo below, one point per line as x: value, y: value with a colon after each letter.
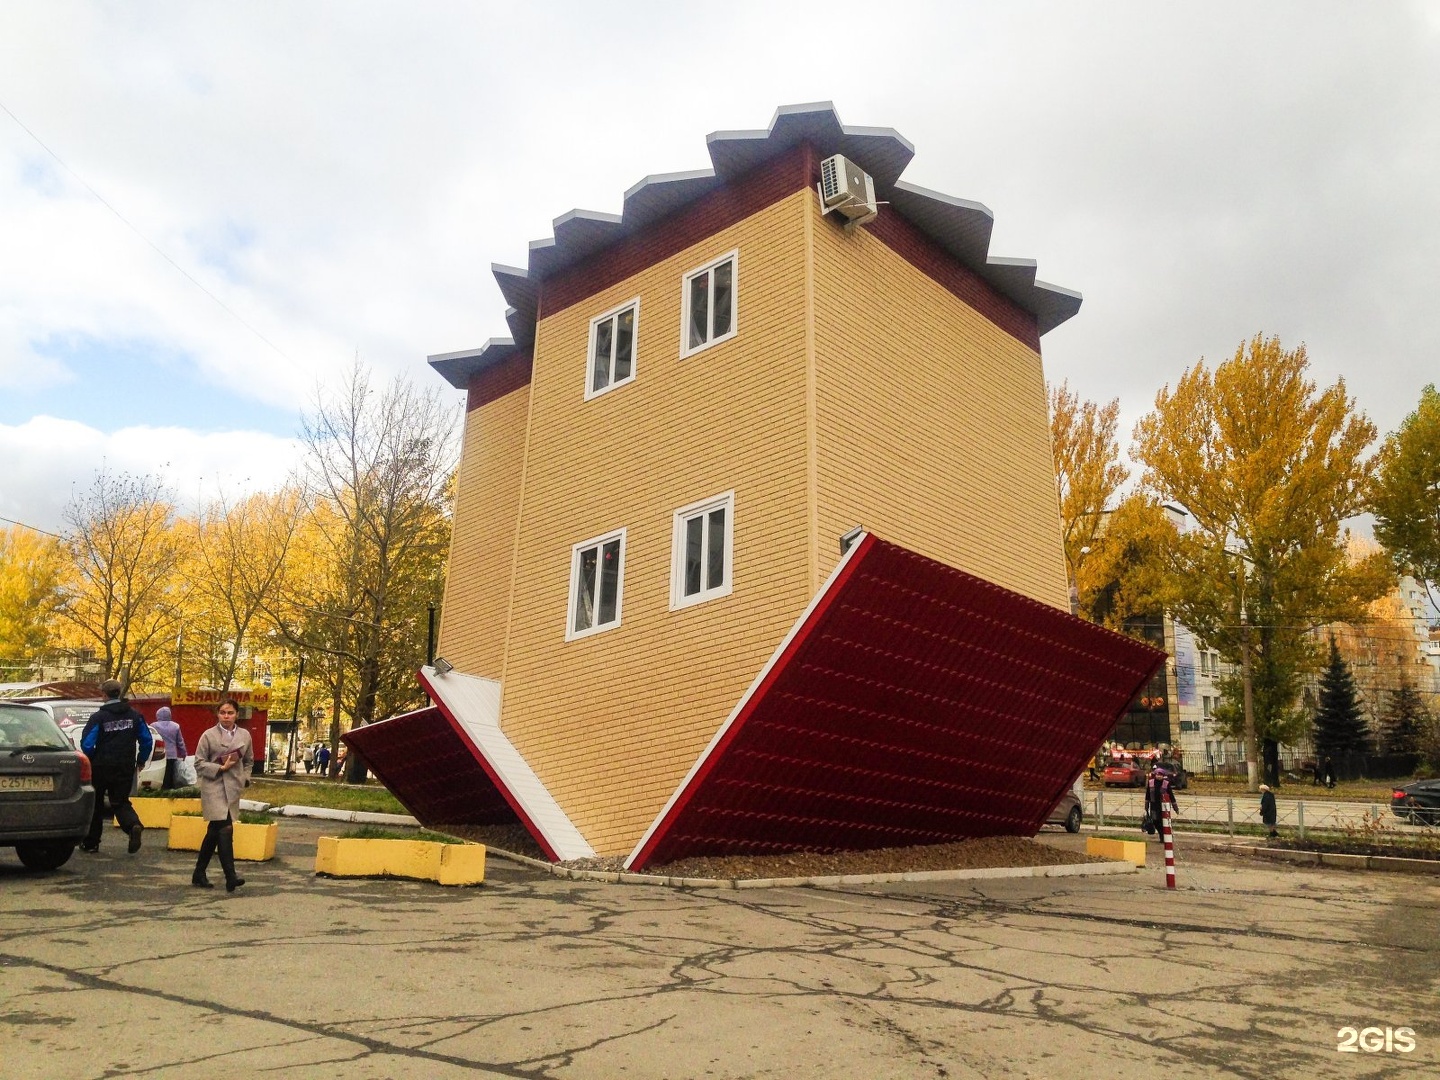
x: 764, y: 185
x: 781, y: 176
x: 935, y: 262
x: 498, y: 380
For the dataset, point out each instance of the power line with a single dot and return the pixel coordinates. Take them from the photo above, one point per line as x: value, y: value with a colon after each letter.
x: 153, y: 246
x: 32, y: 528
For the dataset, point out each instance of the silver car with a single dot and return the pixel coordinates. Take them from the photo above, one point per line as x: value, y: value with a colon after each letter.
x: 46, y: 798
x: 1068, y: 810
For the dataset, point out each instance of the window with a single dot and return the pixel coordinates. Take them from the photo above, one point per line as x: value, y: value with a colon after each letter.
x: 709, y: 305
x: 702, y: 551
x: 596, y: 585
x: 612, y: 348
x: 1207, y: 706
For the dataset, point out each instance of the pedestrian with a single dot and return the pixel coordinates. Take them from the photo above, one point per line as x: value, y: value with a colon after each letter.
x: 1268, y: 812
x: 223, y: 759
x: 309, y: 758
x: 118, y: 742
x: 175, y: 751
x: 322, y: 759
x: 1327, y: 770
x: 1157, y: 791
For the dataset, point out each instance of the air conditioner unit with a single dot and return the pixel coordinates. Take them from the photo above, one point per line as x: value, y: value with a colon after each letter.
x: 846, y: 187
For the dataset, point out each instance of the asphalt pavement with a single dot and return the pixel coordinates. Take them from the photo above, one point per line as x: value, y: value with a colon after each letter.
x: 115, y: 966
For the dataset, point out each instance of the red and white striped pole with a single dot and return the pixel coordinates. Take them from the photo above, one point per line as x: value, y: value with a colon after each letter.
x: 1169, y: 846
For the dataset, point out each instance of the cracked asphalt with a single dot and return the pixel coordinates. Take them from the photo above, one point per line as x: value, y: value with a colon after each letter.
x: 114, y: 966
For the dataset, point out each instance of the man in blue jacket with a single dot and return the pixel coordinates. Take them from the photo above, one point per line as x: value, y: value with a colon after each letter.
x: 118, y: 742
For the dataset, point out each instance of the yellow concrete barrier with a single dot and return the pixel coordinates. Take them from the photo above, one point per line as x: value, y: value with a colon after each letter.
x: 156, y: 813
x: 186, y: 833
x: 1119, y: 850
x: 253, y: 843
x: 462, y: 864
x: 424, y: 860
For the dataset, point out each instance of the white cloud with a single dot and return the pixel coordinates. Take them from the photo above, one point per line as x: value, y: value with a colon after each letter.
x: 47, y: 460
x: 342, y: 175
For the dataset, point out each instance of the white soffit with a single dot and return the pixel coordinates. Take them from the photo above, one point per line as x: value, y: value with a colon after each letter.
x: 474, y: 704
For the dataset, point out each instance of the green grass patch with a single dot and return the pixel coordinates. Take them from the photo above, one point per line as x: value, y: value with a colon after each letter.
x: 169, y: 793
x: 380, y: 832
x: 371, y: 798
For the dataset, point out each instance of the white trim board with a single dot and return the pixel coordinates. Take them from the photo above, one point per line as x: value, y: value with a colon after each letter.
x: 474, y: 704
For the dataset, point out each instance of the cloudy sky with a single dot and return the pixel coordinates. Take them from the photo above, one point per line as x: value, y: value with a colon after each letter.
x: 233, y: 201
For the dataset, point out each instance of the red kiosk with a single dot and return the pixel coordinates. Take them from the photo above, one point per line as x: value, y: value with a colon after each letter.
x: 194, y: 711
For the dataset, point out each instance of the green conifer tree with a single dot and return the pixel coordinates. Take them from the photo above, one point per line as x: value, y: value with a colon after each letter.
x: 1340, y: 726
x: 1405, y: 718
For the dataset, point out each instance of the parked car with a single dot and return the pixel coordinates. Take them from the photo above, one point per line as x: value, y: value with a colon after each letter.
x: 46, y: 797
x: 1068, y: 810
x: 1417, y: 803
x: 1123, y: 774
x: 72, y: 716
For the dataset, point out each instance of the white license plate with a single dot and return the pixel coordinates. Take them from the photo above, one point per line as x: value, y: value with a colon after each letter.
x: 27, y: 783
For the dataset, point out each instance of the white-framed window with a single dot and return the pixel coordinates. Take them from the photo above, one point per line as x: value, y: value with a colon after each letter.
x: 1207, y: 707
x: 708, y: 304
x: 597, y: 585
x: 703, y: 549
x: 612, y: 348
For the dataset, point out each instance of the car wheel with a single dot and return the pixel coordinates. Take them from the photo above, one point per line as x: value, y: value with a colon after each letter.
x: 45, y: 854
x: 1072, y: 820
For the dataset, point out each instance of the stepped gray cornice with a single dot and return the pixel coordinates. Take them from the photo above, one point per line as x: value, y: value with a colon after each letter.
x: 959, y: 226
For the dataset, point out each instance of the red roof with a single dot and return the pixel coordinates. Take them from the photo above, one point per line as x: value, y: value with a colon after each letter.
x: 430, y: 768
x: 912, y: 704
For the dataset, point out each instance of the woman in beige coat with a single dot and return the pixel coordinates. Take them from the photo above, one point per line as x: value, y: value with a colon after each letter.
x: 223, y: 760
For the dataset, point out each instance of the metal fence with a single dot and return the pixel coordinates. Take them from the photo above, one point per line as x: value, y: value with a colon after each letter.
x: 1372, y: 822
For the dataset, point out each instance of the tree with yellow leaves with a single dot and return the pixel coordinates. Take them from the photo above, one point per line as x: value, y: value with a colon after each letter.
x: 239, y: 558
x: 1406, y: 493
x: 378, y: 466
x: 32, y: 567
x: 1385, y: 648
x: 122, y: 594
x: 1269, y: 468
x: 1088, y: 470
x: 1126, y: 572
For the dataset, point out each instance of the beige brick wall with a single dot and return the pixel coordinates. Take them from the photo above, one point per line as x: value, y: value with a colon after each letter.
x: 612, y: 722
x: 482, y: 550
x: 932, y: 423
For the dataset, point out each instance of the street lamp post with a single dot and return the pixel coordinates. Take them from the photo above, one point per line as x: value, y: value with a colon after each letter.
x: 1252, y: 747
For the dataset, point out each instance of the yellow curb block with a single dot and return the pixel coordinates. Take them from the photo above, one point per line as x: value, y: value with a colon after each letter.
x: 253, y: 843
x: 1132, y: 851
x: 156, y: 813
x: 424, y: 860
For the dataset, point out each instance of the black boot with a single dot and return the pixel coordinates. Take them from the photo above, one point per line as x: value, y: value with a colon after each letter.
x: 226, y: 848
x: 207, y: 848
